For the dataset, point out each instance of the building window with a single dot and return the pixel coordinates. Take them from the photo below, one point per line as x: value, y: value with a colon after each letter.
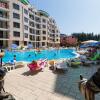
x: 32, y: 31
x: 38, y: 26
x: 31, y: 17
x: 44, y: 38
x: 37, y: 32
x: 25, y: 27
x: 37, y: 19
x: 1, y: 14
x: 57, y: 39
x: 16, y: 6
x: 44, y: 26
x: 16, y: 25
x: 30, y: 37
x: 26, y: 35
x: 15, y: 15
x: 31, y: 24
x: 16, y: 34
x: 26, y: 11
x: 16, y: 42
x: 38, y: 38
x: 44, y: 32
x: 43, y: 43
x: 44, y: 20
x: 26, y: 19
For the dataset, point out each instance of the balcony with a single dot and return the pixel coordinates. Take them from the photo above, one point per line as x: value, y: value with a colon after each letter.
x: 4, y: 19
x: 4, y: 16
x: 43, y: 13
x: 4, y: 29
x: 4, y: 6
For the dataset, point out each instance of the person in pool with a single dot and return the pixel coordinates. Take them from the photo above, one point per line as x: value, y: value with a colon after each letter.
x: 14, y: 59
x: 29, y: 55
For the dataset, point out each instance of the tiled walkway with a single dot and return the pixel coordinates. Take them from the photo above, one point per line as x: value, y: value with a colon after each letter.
x: 46, y: 85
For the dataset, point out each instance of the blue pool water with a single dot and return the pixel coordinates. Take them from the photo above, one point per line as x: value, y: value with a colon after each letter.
x: 44, y: 54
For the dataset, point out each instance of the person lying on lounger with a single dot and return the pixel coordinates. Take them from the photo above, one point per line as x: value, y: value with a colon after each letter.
x: 37, y: 65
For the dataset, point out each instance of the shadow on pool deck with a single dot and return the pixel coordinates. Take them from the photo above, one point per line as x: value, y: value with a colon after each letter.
x: 28, y: 73
x: 67, y: 83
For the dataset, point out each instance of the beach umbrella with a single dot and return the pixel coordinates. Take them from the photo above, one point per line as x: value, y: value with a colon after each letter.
x: 89, y: 41
x: 84, y: 46
x: 98, y: 43
x: 30, y: 46
x: 94, y: 44
x: 14, y: 46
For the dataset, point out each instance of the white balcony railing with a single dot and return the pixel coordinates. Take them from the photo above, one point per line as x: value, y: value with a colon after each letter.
x: 4, y: 19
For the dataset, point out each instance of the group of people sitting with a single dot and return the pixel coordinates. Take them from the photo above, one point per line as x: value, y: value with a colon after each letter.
x: 92, y: 56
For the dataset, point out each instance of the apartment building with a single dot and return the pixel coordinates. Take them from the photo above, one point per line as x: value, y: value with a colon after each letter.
x: 23, y: 24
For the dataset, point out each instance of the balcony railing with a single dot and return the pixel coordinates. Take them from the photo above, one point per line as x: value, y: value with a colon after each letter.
x: 4, y: 18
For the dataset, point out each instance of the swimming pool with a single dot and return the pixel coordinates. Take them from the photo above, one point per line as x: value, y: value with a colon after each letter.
x: 44, y: 54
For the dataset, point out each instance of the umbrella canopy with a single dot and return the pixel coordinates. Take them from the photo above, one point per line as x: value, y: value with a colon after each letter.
x: 84, y: 46
x: 96, y: 44
x: 29, y: 46
x: 89, y: 41
x: 14, y: 46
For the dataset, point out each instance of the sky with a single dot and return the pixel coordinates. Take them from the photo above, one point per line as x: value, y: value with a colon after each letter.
x: 73, y: 15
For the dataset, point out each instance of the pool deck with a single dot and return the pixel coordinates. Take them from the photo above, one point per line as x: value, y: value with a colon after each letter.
x: 47, y: 85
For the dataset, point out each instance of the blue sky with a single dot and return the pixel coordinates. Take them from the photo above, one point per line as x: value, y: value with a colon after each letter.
x: 73, y: 15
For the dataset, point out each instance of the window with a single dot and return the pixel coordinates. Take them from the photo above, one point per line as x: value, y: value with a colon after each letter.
x: 43, y: 20
x: 16, y: 34
x: 43, y: 43
x: 31, y: 16
x: 34, y: 38
x: 26, y: 11
x: 16, y: 25
x: 1, y: 14
x: 31, y: 24
x: 38, y: 38
x: 44, y: 32
x: 16, y: 6
x: 26, y: 35
x: 26, y: 19
x: 38, y: 26
x: 32, y: 31
x: 37, y: 32
x: 30, y: 37
x: 37, y: 19
x: 25, y: 27
x: 44, y: 38
x: 44, y: 26
x: 57, y: 40
x: 16, y: 42
x: 15, y: 15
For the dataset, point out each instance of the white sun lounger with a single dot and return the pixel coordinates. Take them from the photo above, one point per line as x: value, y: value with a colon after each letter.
x: 61, y: 64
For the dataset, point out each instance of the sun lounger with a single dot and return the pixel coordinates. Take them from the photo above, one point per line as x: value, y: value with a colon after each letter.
x: 58, y: 64
x: 19, y: 65
x: 61, y: 64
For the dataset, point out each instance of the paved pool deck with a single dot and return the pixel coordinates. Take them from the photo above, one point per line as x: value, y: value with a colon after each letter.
x: 47, y: 85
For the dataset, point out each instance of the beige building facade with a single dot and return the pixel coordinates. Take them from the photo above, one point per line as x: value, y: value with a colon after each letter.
x: 23, y: 24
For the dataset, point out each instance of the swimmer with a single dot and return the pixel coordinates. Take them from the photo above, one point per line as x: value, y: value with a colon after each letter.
x: 54, y: 54
x: 29, y: 55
